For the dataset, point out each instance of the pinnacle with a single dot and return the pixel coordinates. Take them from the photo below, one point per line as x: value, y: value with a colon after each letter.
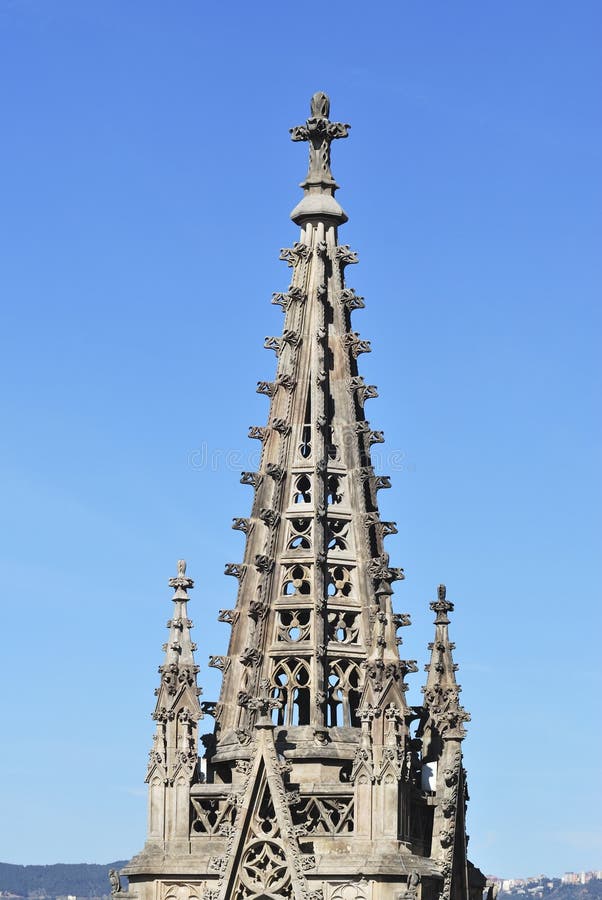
x: 442, y: 692
x: 177, y: 694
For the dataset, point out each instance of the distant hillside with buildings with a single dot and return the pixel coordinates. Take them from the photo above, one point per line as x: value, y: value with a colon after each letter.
x: 570, y: 886
x: 62, y: 880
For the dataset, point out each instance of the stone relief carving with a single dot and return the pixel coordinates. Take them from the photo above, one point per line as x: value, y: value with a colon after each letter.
x: 350, y: 890
x: 183, y: 890
x: 412, y: 886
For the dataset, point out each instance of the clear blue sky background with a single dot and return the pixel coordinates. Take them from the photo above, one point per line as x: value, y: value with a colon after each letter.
x: 147, y: 181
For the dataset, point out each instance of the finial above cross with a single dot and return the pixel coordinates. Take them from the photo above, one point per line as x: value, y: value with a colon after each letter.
x: 319, y: 132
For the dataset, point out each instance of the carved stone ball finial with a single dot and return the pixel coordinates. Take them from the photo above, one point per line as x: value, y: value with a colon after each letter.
x: 320, y: 105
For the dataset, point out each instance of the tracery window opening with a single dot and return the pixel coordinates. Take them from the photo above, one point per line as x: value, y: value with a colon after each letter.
x: 299, y: 534
x: 325, y: 815
x: 290, y: 685
x: 343, y: 627
x: 297, y: 580
x: 302, y: 489
x: 344, y: 692
x: 209, y: 815
x: 339, y: 582
x: 338, y: 531
x: 294, y: 625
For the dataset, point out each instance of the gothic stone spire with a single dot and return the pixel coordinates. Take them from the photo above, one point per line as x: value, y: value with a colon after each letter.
x: 173, y: 758
x: 442, y: 731
x: 442, y: 692
x: 314, y: 614
x: 312, y: 772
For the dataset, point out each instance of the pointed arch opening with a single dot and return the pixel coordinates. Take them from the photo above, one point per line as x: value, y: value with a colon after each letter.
x: 290, y: 685
x: 344, y: 690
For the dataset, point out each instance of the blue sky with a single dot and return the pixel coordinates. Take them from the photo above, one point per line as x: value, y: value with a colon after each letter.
x: 147, y: 182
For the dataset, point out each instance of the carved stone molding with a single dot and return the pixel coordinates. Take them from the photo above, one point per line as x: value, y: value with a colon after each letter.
x: 242, y: 524
x: 268, y: 388
x: 351, y: 299
x: 236, y: 570
x: 253, y: 479
x: 274, y: 471
x: 281, y: 426
x: 381, y: 482
x: 353, y: 342
x: 293, y: 295
x: 270, y: 517
x: 286, y: 381
x: 345, y: 256
x: 251, y: 656
x: 219, y: 662
x: 362, y: 390
x: 263, y: 563
x: 257, y: 433
x: 258, y: 610
x: 295, y: 254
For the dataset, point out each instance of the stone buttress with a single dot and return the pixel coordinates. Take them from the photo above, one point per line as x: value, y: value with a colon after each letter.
x: 319, y: 782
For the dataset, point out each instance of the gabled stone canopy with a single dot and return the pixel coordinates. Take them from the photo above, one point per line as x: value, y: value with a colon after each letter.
x: 319, y: 782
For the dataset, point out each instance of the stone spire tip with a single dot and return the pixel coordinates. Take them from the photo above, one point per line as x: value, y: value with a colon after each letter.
x: 319, y: 185
x: 181, y: 582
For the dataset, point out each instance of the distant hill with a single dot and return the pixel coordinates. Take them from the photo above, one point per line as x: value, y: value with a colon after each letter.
x: 59, y: 880
x: 591, y: 890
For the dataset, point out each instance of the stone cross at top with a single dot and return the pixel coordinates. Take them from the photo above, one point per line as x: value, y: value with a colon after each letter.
x: 319, y: 132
